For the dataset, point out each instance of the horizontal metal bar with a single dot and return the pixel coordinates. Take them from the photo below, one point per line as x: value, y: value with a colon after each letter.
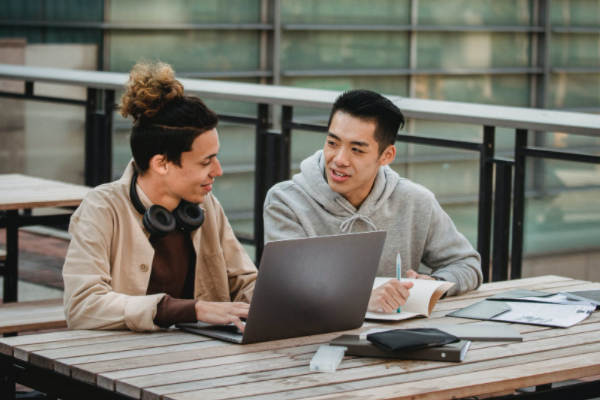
x: 575, y: 70
x: 305, y: 127
x: 238, y: 119
x: 131, y: 26
x: 501, y: 160
x: 408, y: 28
x: 433, y: 110
x: 59, y: 100
x: 575, y: 156
x: 433, y: 141
x: 408, y: 71
x: 582, y: 29
x: 226, y: 74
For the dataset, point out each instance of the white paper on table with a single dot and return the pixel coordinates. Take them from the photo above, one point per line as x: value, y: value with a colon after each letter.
x: 545, y: 314
x: 559, y: 298
x: 423, y: 297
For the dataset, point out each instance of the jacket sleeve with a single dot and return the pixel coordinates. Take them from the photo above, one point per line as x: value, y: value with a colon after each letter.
x: 90, y: 302
x: 449, y: 253
x: 280, y: 222
x: 241, y: 271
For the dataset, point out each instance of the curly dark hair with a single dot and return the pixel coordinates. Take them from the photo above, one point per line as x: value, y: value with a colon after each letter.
x: 166, y: 121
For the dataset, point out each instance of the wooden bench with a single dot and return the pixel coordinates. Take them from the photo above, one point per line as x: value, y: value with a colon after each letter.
x: 32, y: 316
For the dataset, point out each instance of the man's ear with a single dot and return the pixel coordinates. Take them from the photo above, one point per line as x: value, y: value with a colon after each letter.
x: 388, y: 155
x: 159, y: 164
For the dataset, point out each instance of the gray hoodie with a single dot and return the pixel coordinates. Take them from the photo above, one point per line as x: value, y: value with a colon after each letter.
x: 416, y: 225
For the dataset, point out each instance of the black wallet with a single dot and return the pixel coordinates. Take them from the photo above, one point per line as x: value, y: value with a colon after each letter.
x: 407, y: 339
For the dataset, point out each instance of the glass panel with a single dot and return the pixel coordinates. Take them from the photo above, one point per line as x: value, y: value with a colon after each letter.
x: 21, y: 9
x: 355, y: 12
x: 233, y: 107
x: 575, y: 13
x: 42, y: 139
x: 186, y: 51
x: 475, y: 12
x: 574, y: 90
x: 562, y: 227
x: 185, y: 11
x: 74, y: 10
x: 311, y: 50
x: 509, y: 90
x: 32, y: 35
x: 561, y: 140
x: 64, y: 10
x: 472, y: 50
x: 304, y: 145
x: 68, y: 35
x: 575, y: 50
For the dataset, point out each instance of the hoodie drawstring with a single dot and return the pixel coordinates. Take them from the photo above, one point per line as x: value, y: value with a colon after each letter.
x: 346, y: 226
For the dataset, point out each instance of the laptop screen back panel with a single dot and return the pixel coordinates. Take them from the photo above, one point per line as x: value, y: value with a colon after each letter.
x: 313, y: 286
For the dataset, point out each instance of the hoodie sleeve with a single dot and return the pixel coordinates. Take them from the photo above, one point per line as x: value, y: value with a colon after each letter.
x: 449, y: 253
x: 280, y: 221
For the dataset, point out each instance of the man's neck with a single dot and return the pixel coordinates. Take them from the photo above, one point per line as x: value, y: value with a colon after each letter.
x: 153, y: 189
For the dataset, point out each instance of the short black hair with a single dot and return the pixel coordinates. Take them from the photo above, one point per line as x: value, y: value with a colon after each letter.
x: 369, y: 106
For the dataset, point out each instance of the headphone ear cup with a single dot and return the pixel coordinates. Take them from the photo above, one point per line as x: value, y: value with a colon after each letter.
x: 189, y: 216
x: 158, y: 221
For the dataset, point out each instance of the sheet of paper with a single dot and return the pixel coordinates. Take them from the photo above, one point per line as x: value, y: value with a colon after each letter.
x: 559, y: 298
x: 545, y: 314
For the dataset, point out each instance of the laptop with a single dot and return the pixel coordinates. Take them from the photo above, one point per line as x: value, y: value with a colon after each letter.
x: 307, y: 287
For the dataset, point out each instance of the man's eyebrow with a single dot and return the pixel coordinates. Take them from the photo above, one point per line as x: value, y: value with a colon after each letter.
x: 211, y: 156
x: 361, y: 144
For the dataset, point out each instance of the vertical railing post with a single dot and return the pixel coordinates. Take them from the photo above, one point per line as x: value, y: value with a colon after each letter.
x: 286, y: 144
x: 518, y: 204
x: 98, y: 138
x: 502, y: 205
x: 272, y: 165
x: 484, y: 219
x: 260, y: 178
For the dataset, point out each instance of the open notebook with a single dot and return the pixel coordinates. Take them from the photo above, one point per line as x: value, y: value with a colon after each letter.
x: 424, y: 295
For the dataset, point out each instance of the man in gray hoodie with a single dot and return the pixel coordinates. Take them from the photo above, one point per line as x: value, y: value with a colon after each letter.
x: 349, y: 187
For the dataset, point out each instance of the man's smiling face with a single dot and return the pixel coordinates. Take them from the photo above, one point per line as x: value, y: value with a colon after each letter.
x: 353, y: 157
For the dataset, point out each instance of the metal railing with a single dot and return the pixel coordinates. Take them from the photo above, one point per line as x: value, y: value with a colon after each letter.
x: 273, y: 147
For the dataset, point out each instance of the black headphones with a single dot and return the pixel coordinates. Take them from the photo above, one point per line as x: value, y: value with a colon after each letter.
x: 159, y: 222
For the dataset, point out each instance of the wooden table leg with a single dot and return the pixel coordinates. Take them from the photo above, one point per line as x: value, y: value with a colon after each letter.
x: 12, y: 257
x: 7, y: 382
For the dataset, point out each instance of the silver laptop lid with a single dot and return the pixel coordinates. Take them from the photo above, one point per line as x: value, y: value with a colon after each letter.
x: 313, y: 286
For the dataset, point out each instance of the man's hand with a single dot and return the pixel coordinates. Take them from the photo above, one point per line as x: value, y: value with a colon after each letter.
x: 414, y: 275
x: 390, y: 296
x: 222, y: 313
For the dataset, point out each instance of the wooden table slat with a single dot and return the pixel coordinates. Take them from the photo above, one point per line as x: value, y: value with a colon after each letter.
x: 279, y: 385
x: 63, y: 366
x: 488, y: 381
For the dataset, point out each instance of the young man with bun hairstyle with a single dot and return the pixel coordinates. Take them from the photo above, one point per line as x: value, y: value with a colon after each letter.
x: 349, y: 187
x: 155, y: 247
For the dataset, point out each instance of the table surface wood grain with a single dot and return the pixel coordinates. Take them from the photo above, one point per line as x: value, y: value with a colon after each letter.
x: 174, y: 365
x: 22, y: 192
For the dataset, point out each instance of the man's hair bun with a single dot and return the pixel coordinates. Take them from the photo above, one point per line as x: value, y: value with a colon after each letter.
x: 150, y: 87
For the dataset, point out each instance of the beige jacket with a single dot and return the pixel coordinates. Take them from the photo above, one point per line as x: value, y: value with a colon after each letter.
x: 109, y: 261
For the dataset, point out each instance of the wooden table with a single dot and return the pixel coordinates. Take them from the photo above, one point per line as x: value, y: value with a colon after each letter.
x: 21, y: 192
x: 182, y: 366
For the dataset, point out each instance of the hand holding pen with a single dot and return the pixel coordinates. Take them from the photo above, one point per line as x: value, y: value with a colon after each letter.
x: 391, y: 295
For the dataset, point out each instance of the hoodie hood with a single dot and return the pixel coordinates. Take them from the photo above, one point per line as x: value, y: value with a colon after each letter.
x: 312, y: 180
